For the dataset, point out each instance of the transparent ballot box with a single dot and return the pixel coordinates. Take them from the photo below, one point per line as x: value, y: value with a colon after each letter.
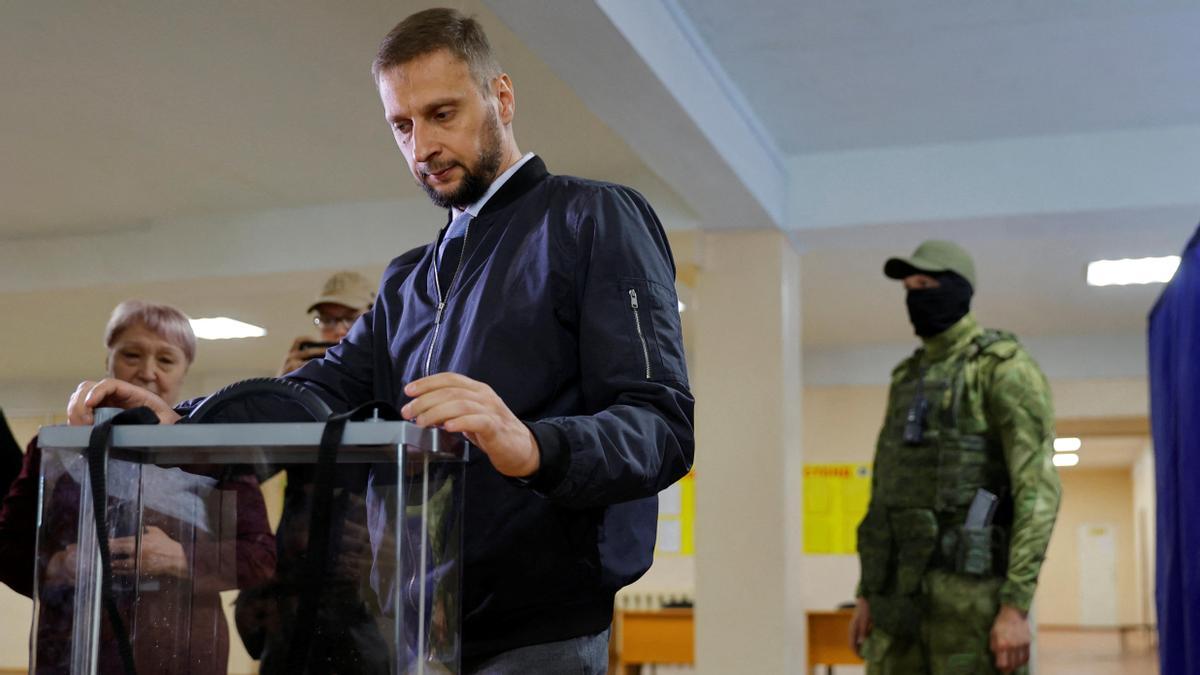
x: 351, y: 567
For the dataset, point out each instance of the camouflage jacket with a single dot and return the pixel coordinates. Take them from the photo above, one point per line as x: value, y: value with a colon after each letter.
x: 1006, y: 398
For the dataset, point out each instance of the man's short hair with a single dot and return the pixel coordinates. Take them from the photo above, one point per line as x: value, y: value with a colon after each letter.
x: 435, y: 29
x: 170, y: 323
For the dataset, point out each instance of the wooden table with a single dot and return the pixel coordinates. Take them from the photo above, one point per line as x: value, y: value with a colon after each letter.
x: 829, y: 639
x: 669, y: 636
x: 656, y: 636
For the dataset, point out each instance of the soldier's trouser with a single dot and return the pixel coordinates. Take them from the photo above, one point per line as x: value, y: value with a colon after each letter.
x: 955, y: 632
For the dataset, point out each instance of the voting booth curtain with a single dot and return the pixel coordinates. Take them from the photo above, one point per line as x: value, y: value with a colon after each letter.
x: 1174, y: 351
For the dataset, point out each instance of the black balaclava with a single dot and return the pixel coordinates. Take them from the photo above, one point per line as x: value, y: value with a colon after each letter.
x: 933, y: 310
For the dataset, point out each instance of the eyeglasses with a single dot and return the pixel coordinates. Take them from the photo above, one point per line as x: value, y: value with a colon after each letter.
x: 329, y: 322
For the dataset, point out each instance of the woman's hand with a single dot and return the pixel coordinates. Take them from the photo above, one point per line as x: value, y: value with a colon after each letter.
x: 160, y: 555
x: 61, y: 567
x: 114, y: 393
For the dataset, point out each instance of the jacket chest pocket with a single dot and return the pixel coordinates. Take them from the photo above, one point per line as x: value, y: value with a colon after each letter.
x: 650, y: 320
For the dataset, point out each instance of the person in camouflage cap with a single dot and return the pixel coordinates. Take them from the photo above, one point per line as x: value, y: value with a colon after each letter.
x: 964, y: 492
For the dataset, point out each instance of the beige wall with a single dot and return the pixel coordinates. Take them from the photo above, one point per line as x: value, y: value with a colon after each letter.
x: 840, y: 425
x: 1090, y: 497
x: 25, y: 427
x: 15, y: 613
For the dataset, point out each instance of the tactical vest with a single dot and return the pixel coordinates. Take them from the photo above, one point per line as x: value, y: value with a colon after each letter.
x: 923, y: 487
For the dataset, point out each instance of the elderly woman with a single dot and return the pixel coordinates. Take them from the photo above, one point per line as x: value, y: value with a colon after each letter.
x: 168, y: 579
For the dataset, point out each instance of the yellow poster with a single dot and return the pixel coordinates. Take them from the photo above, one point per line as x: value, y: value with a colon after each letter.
x: 676, y: 518
x: 835, y: 501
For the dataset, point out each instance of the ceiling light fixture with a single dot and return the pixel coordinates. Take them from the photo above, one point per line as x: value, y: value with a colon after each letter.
x: 1132, y: 271
x: 225, y: 328
x: 1067, y: 444
x: 1066, y: 459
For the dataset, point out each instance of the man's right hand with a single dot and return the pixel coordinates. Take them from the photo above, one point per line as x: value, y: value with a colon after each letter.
x: 113, y: 393
x: 860, y: 625
x: 297, y: 357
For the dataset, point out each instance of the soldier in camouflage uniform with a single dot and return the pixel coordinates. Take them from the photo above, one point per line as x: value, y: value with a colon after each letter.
x: 946, y: 584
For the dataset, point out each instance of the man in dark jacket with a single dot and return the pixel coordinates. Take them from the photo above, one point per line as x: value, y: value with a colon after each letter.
x: 543, y: 325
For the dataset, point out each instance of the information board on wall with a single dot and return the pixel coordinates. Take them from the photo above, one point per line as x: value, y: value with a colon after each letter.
x: 835, y: 501
x: 676, y: 518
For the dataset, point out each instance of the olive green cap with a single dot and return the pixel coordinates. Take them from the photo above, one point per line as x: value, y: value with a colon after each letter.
x: 933, y: 256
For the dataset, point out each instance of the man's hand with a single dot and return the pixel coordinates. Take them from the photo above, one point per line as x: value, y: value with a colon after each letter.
x: 160, y: 555
x: 113, y: 393
x: 860, y: 625
x: 459, y: 404
x: 297, y: 357
x: 1010, y: 639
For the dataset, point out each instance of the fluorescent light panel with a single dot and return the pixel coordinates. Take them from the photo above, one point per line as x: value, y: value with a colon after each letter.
x: 1132, y: 271
x: 1067, y: 444
x: 225, y: 328
x: 1066, y: 459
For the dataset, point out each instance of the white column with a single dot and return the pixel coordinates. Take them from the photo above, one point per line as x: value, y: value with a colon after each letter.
x: 749, y: 615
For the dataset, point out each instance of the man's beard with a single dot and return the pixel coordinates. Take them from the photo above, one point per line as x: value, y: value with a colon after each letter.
x: 475, y: 181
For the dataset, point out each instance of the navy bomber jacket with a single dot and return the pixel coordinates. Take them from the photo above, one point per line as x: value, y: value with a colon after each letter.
x: 565, y: 305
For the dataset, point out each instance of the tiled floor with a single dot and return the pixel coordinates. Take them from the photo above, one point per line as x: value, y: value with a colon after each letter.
x: 1094, y: 653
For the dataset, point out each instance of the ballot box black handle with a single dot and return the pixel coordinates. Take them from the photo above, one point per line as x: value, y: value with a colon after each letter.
x: 99, y: 444
x: 261, y: 386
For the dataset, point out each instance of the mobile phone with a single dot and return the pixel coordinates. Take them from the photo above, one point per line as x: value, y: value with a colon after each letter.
x: 316, y: 343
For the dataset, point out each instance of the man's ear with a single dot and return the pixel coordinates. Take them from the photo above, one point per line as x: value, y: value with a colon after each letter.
x: 502, y: 89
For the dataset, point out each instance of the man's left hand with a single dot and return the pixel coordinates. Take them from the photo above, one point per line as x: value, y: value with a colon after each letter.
x: 459, y: 404
x: 1010, y: 639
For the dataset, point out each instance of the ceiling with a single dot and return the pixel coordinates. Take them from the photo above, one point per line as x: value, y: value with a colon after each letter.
x: 838, y: 74
x: 1031, y: 277
x: 124, y: 115
x: 855, y: 75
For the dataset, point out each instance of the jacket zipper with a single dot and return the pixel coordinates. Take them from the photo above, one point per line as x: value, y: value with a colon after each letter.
x: 637, y: 321
x: 437, y: 319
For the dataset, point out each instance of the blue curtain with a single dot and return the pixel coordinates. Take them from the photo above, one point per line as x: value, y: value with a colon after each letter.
x: 1175, y: 422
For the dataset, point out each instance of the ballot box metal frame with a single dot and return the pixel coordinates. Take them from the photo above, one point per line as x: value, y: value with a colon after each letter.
x: 374, y: 441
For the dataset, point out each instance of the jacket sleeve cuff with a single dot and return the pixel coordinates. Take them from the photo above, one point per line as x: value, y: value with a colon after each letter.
x: 1015, y: 596
x: 553, y: 458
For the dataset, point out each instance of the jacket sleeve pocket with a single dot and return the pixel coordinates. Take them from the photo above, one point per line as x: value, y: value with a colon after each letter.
x: 653, y: 329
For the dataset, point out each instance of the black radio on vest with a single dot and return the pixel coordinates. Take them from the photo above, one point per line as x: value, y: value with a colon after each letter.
x: 914, y: 422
